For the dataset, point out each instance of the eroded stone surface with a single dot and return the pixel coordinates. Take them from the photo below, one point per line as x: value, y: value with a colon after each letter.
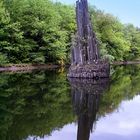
x: 85, y: 58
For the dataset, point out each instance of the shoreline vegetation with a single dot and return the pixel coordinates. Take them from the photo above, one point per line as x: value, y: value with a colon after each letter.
x: 31, y: 67
x: 43, y: 31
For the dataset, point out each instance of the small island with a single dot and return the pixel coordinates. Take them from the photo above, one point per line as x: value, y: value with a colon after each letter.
x: 85, y: 57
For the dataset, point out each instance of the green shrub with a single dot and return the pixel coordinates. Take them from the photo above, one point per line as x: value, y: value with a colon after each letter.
x: 3, y: 59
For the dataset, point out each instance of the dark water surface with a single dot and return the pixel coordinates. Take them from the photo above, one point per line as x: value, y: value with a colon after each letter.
x: 45, y: 105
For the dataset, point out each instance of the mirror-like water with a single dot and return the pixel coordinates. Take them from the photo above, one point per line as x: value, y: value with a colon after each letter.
x: 45, y: 105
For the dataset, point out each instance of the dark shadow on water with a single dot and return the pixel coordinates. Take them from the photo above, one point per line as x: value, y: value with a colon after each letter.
x: 86, y: 95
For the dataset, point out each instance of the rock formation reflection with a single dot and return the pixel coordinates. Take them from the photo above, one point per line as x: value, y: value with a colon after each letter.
x: 86, y: 96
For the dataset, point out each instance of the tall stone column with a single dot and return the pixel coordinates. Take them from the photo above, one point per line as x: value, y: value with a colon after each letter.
x: 86, y: 40
x: 85, y: 54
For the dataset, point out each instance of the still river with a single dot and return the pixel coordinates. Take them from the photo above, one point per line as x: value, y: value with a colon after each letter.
x: 45, y: 105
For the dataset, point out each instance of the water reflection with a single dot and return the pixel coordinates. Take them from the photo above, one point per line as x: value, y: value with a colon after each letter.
x: 38, y: 106
x: 33, y: 104
x: 86, y: 94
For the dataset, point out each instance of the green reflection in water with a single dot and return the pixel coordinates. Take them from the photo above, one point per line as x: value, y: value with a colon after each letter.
x: 94, y: 99
x: 35, y: 104
x: 124, y: 85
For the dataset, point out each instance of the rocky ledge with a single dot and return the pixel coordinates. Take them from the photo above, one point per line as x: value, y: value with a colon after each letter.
x: 98, y: 69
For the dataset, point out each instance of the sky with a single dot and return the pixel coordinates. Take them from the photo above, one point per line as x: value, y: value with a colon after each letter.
x: 128, y: 11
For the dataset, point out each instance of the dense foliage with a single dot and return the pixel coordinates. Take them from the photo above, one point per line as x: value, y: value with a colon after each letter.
x: 40, y: 31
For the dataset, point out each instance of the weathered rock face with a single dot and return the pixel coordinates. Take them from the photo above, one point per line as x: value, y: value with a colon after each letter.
x: 85, y: 59
x: 98, y: 69
x: 86, y: 50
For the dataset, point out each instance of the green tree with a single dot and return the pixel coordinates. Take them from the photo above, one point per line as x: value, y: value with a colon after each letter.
x: 12, y: 44
x: 110, y: 34
x: 132, y: 34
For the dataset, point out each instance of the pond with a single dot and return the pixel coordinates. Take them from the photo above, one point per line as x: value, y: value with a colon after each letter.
x: 45, y: 105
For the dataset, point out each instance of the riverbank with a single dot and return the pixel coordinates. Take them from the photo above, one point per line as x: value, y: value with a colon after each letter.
x: 30, y: 67
x: 125, y: 62
x: 27, y: 67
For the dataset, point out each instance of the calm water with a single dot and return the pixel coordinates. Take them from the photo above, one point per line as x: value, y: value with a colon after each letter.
x: 45, y: 105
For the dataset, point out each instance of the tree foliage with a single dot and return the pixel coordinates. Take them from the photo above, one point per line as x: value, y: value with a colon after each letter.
x: 40, y: 31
